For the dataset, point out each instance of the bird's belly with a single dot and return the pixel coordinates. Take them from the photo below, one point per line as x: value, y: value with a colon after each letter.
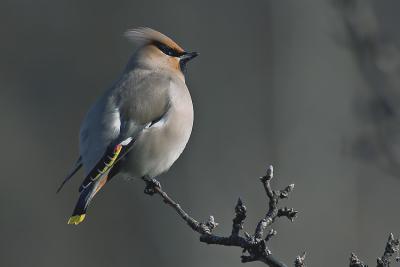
x: 157, y: 148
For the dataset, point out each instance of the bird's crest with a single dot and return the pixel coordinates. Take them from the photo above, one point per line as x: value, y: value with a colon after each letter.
x: 145, y: 35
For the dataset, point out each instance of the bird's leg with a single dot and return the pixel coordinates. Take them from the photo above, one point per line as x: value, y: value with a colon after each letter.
x: 151, y: 185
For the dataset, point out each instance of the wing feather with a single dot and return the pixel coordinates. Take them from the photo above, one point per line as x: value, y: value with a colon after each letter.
x: 77, y: 166
x: 110, y: 157
x: 130, y: 106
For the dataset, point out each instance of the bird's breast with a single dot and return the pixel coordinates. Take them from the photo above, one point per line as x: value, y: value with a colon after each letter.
x: 160, y: 145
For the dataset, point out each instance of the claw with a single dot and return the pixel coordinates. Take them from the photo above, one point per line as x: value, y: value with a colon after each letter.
x: 151, y: 185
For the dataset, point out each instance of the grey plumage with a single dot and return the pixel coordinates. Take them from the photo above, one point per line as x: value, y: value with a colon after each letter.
x: 127, y: 109
x: 150, y: 105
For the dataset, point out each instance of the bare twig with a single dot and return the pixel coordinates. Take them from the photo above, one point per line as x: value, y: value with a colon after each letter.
x: 392, y: 247
x: 254, y: 246
x: 356, y: 262
x: 300, y: 261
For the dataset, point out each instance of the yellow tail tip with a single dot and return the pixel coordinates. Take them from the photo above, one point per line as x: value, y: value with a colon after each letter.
x: 77, y: 219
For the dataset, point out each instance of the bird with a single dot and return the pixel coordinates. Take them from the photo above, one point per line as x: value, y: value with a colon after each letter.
x: 141, y: 124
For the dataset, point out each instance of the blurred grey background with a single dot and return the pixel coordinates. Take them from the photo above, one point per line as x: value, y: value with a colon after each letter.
x: 311, y: 87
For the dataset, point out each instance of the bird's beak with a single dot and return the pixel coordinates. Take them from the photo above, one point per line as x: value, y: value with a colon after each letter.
x: 188, y: 56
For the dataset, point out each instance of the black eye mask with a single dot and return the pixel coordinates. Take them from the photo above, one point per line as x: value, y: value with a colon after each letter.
x: 168, y: 50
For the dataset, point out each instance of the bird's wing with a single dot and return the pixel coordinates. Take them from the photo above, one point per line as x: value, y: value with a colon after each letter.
x: 116, y: 120
x: 111, y: 156
x: 100, y: 129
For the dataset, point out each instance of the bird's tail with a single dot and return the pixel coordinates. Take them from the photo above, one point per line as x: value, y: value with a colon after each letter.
x: 85, y: 198
x: 77, y: 166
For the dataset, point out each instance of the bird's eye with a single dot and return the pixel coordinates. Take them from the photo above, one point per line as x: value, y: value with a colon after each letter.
x: 167, y: 50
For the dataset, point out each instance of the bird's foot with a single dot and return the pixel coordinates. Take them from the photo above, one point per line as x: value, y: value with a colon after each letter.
x: 151, y: 185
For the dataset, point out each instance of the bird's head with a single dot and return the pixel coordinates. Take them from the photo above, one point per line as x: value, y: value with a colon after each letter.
x: 159, y: 51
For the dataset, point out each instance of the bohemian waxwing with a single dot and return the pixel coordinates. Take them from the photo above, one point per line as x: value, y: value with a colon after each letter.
x: 139, y: 126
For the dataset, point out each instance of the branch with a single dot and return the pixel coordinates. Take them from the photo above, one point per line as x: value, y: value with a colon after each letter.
x: 392, y: 247
x: 356, y: 262
x: 300, y: 261
x: 254, y: 246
